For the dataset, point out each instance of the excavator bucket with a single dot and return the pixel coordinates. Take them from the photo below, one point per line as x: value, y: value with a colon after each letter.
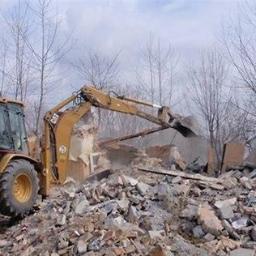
x: 187, y: 126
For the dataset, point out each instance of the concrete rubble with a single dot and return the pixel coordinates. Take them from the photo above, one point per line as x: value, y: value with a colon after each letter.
x: 154, y: 212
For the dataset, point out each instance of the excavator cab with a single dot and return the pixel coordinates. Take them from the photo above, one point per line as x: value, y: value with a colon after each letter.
x: 13, y: 136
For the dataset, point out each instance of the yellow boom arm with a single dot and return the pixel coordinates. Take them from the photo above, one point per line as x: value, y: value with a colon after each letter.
x: 60, y: 120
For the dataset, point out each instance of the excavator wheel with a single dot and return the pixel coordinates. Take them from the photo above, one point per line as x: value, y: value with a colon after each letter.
x: 19, y: 185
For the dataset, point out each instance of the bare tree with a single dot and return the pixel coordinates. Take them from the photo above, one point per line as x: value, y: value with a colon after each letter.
x: 149, y: 55
x: 239, y: 42
x: 4, y: 51
x: 46, y: 49
x: 239, y: 39
x: 101, y: 72
x: 17, y: 73
x: 237, y: 123
x: 98, y: 70
x: 207, y: 85
x: 216, y: 103
x: 160, y: 68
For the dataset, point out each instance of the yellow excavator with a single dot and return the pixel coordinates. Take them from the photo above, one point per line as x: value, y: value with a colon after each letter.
x: 22, y: 177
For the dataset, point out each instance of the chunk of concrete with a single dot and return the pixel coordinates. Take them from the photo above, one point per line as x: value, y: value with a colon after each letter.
x: 240, y: 223
x: 123, y: 204
x: 182, y: 247
x: 242, y: 252
x: 190, y: 148
x: 198, y: 232
x: 81, y: 247
x: 142, y: 187
x: 162, y: 191
x: 227, y: 226
x: 176, y: 180
x: 133, y: 215
x: 233, y: 155
x: 156, y: 234
x: 160, y: 251
x: 226, y: 212
x: 253, y: 233
x: 209, y: 237
x: 4, y: 243
x: 129, y: 180
x: 209, y: 221
x: 227, y: 202
x: 246, y: 182
x: 61, y: 220
x: 250, y: 160
x: 82, y: 206
x: 190, y: 212
x: 252, y: 174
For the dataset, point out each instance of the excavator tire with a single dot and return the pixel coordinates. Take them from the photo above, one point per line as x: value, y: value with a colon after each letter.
x: 19, y: 185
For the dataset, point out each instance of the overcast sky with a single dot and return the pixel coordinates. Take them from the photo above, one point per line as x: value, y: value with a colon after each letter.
x: 126, y: 24
x: 111, y: 26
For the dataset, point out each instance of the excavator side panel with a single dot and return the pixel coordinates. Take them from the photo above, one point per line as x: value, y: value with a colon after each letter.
x: 63, y: 133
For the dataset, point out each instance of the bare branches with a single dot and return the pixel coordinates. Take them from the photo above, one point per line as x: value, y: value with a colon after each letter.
x: 207, y: 84
x: 4, y: 51
x: 18, y: 72
x: 98, y: 70
x: 47, y: 51
x: 239, y: 41
x: 216, y: 103
x: 160, y: 68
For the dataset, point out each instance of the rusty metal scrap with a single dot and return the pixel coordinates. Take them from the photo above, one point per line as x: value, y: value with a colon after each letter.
x: 126, y: 137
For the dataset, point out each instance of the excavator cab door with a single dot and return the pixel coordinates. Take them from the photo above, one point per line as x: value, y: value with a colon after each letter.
x: 12, y: 128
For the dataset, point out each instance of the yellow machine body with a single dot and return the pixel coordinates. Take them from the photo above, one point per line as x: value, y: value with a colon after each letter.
x: 59, y: 123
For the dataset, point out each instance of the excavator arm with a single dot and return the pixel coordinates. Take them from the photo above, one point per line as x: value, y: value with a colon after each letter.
x: 60, y: 120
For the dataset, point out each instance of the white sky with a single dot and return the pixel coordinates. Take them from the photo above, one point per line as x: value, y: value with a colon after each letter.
x: 110, y: 26
x: 126, y: 24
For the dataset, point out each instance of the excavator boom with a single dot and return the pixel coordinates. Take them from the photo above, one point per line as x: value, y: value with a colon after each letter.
x: 60, y: 120
x: 22, y: 177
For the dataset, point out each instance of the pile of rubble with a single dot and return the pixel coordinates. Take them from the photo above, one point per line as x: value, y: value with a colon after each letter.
x: 152, y: 212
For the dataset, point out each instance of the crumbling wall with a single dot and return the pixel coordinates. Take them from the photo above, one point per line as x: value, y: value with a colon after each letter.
x: 190, y: 148
x: 81, y: 146
x: 121, y: 155
x: 233, y: 155
x: 33, y: 147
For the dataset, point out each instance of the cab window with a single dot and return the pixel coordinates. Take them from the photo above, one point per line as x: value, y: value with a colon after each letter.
x: 5, y: 139
x: 18, y: 132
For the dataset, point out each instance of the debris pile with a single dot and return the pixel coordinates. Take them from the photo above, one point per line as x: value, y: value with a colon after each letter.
x: 141, y: 211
